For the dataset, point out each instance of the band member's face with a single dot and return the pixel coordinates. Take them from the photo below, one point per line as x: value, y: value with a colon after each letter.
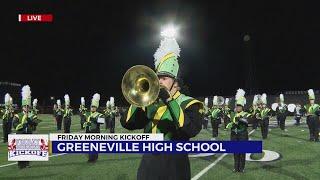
x: 166, y: 81
x: 93, y: 109
x: 25, y: 108
x: 311, y: 101
x: 239, y: 108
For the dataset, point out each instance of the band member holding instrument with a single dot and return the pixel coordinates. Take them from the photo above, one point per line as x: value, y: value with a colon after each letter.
x: 216, y: 115
x: 239, y: 129
x: 170, y: 112
x: 312, y: 111
x: 281, y: 112
x: 254, y: 110
x: 206, y: 114
x: 35, y: 111
x: 226, y: 113
x: 107, y: 114
x: 298, y: 114
x: 67, y: 114
x: 24, y: 121
x: 263, y: 115
x: 59, y: 115
x: 82, y: 112
x: 93, y: 121
x: 113, y: 112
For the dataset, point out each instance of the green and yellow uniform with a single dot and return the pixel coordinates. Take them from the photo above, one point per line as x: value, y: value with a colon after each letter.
x: 82, y: 113
x: 67, y: 114
x: 313, y: 113
x: 179, y: 120
x: 216, y: 115
x: 6, y: 116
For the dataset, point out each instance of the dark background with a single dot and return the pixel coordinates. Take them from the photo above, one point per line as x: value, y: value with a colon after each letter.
x: 91, y: 44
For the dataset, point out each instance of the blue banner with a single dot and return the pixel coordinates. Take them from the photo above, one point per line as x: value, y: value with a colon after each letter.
x: 157, y: 146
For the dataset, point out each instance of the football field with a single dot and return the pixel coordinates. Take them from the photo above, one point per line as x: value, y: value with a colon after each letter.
x: 299, y: 158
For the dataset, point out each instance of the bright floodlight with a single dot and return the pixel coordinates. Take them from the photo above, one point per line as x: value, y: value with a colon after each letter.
x: 169, y: 32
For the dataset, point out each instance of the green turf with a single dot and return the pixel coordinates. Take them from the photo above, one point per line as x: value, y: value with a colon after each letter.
x: 299, y: 159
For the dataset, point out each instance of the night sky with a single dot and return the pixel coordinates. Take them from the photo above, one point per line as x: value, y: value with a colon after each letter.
x: 91, y: 44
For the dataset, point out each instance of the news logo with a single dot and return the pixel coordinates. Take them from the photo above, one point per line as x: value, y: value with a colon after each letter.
x: 28, y: 147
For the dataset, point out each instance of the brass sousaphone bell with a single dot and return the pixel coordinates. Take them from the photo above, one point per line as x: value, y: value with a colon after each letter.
x: 140, y: 86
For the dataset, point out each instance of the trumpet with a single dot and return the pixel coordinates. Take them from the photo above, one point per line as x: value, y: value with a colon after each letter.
x: 140, y: 86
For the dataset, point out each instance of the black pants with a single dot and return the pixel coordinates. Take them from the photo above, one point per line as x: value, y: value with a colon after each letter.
x: 82, y: 121
x: 297, y: 118
x: 313, y: 125
x: 112, y: 124
x: 93, y: 157
x: 254, y: 123
x: 7, y: 129
x: 215, y: 127
x: 66, y: 125
x: 226, y: 121
x: 239, y: 159
x: 205, y: 123
x: 107, y: 122
x: 264, y: 124
x: 59, y: 122
x: 282, y: 121
x: 164, y: 166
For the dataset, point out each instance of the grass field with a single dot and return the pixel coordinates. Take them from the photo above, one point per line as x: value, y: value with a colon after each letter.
x: 300, y: 159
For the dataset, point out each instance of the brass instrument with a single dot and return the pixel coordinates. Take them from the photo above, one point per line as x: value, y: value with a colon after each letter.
x: 140, y: 86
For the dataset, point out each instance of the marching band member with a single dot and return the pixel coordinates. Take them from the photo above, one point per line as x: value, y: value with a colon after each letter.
x: 82, y: 111
x: 112, y: 115
x: 24, y: 121
x: 239, y: 129
x: 206, y: 114
x: 297, y: 114
x: 6, y: 116
x: 312, y: 112
x: 281, y: 112
x: 177, y: 116
x: 93, y: 121
x: 59, y: 115
x: 216, y: 115
x: 107, y: 114
x: 67, y: 114
x: 263, y: 116
x: 35, y: 111
x: 226, y: 113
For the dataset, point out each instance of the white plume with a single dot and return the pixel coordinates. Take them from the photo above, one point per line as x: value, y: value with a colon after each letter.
x: 96, y: 97
x: 35, y: 102
x: 167, y: 45
x: 26, y: 92
x: 226, y: 101
x: 281, y: 97
x: 111, y: 101
x: 240, y: 93
x: 206, y: 100
x: 310, y: 92
x: 82, y: 101
x: 59, y: 102
x: 264, y: 98
x: 7, y: 98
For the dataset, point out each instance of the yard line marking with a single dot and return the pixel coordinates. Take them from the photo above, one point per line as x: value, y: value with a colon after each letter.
x: 206, y: 169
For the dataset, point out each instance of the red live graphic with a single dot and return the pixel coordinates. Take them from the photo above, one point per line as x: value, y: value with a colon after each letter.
x: 35, y: 17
